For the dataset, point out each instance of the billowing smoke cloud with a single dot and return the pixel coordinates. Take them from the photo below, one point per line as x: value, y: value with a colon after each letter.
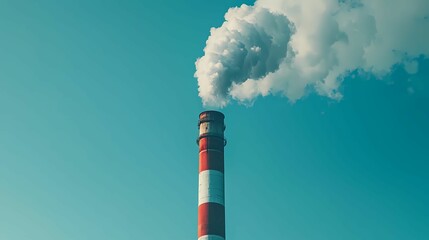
x: 293, y: 47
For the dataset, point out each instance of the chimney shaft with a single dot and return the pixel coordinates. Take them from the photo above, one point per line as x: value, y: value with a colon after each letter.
x: 211, y: 203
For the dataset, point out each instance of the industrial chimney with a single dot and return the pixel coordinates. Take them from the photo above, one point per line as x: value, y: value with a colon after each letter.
x: 211, y: 201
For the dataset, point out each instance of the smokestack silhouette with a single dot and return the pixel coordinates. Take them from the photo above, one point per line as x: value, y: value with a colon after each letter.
x: 211, y: 200
x: 293, y: 47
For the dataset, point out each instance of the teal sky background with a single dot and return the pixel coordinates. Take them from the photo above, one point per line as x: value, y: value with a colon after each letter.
x: 98, y: 121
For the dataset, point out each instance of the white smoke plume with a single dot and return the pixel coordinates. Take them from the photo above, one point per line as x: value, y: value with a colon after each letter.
x: 293, y: 47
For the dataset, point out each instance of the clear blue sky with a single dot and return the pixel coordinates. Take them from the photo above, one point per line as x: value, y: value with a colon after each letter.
x: 98, y: 120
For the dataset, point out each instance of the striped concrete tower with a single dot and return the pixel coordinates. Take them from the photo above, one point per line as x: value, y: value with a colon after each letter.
x: 211, y: 203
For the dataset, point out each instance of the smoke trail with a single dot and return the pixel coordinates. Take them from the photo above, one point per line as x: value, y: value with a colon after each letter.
x: 296, y: 46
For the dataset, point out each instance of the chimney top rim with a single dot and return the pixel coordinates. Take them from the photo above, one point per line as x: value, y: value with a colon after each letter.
x: 213, y: 112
